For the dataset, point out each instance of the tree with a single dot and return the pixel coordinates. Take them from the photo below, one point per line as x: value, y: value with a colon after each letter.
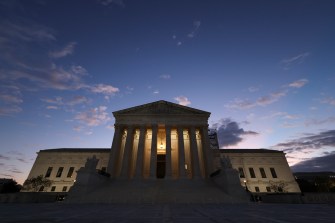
x: 38, y: 183
x: 9, y: 186
x: 278, y: 186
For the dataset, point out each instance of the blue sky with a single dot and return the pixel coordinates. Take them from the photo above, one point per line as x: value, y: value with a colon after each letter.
x: 264, y: 69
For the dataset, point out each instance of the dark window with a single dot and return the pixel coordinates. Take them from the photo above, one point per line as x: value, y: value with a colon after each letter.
x: 60, y: 171
x: 41, y: 188
x: 103, y: 169
x: 64, y: 188
x: 252, y: 172
x: 69, y: 174
x: 262, y: 172
x: 268, y: 189
x: 257, y: 189
x: 48, y: 172
x: 53, y: 188
x: 273, y: 172
x: 241, y: 171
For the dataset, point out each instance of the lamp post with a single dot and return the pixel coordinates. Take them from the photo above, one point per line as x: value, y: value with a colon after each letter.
x: 245, y: 184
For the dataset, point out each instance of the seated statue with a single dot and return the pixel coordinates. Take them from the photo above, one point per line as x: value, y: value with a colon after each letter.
x: 91, y: 163
x: 225, y: 162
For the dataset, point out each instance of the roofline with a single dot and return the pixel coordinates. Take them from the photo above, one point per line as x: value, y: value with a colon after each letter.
x: 160, y: 101
x: 76, y: 150
x: 249, y: 151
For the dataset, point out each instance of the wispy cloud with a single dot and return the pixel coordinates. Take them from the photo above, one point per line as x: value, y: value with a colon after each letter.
x: 310, y: 145
x: 253, y: 89
x: 114, y: 2
x: 266, y: 99
x: 52, y: 107
x: 67, y: 50
x: 195, y: 30
x: 165, y: 76
x: 262, y: 101
x: 94, y: 117
x: 316, y: 164
x: 182, y: 100
x: 229, y: 133
x: 289, y: 62
x: 104, y: 89
x: 311, y: 122
x: 2, y: 157
x: 25, y: 31
x: 299, y: 83
x: 156, y: 92
x: 330, y: 101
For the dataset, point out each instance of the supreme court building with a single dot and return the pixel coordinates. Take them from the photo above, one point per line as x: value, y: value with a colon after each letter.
x: 162, y: 147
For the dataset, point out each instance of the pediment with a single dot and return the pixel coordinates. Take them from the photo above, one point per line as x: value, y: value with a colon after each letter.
x: 160, y: 108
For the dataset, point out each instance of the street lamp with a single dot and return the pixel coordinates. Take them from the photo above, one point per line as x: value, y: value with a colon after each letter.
x: 245, y: 184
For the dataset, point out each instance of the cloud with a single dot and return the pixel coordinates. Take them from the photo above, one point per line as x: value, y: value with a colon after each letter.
x: 94, y: 117
x: 312, y: 122
x: 317, y: 164
x: 67, y: 50
x: 52, y: 107
x: 2, y: 157
x: 24, y: 30
x: 165, y: 76
x: 182, y: 100
x: 104, y: 89
x: 308, y: 142
x: 77, y: 100
x: 156, y: 92
x: 114, y: 2
x: 289, y: 62
x: 262, y: 101
x: 299, y: 83
x: 266, y: 99
x: 229, y: 133
x: 79, y: 70
x: 196, y: 26
x: 22, y: 160
x: 253, y: 89
x: 330, y: 101
x: 10, y: 99
x: 8, y: 111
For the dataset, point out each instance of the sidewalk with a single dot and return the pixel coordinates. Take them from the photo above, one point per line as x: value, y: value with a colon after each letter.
x: 253, y: 212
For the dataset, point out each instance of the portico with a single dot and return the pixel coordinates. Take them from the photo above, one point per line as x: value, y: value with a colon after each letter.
x: 160, y: 140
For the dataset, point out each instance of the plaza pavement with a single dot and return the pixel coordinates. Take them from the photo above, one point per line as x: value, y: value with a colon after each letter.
x: 193, y: 213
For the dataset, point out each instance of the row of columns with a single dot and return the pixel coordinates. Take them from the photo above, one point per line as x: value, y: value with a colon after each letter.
x: 124, y: 161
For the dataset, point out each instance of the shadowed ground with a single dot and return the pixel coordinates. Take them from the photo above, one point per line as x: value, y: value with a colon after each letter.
x: 252, y: 212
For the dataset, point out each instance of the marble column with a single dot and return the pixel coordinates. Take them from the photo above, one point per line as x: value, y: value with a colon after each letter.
x: 126, y: 160
x: 140, y: 152
x: 168, y: 170
x: 153, y: 158
x: 194, y: 154
x: 181, y: 153
x: 207, y: 152
x: 115, y: 150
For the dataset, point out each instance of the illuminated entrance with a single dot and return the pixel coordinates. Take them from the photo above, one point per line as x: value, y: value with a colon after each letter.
x: 160, y: 171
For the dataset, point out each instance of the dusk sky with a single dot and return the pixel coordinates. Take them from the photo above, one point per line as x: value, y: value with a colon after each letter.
x: 264, y: 69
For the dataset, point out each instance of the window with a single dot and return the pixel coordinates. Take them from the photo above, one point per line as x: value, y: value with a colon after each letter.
x: 53, y: 188
x: 48, y: 172
x: 257, y: 189
x: 262, y: 172
x: 69, y: 174
x: 41, y: 188
x: 64, y: 188
x: 252, y: 172
x: 273, y: 172
x: 60, y: 171
x: 268, y: 189
x: 240, y: 170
